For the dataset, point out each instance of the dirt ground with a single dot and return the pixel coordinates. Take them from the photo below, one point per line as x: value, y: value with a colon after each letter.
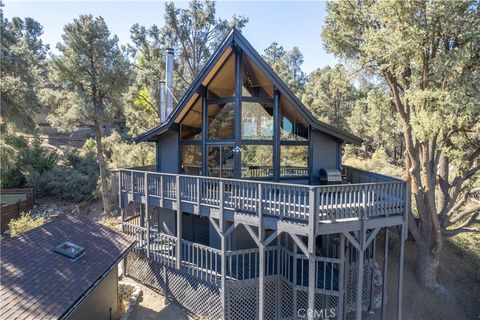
x: 151, y: 306
x: 461, y: 280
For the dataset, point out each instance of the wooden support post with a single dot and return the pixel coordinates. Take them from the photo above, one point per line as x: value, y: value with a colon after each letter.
x: 294, y: 269
x: 179, y: 225
x: 341, y: 279
x: 278, y: 291
x: 276, y: 135
x: 385, y: 273
x: 358, y: 314
x: 361, y: 251
x: 261, y: 280
x: 165, y: 283
x: 223, y: 239
x: 124, y: 265
x: 312, y: 265
x: 261, y: 256
x: 147, y: 214
x: 142, y: 215
x: 400, y: 273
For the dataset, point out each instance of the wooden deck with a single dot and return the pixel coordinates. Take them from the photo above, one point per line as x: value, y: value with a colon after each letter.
x: 279, y: 205
x: 354, y: 212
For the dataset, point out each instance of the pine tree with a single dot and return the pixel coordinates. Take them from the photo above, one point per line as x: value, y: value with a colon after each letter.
x: 91, y: 74
x: 428, y: 53
x: 23, y: 71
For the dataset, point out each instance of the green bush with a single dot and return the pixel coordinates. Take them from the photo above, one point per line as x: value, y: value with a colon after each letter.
x: 12, y: 178
x: 32, y: 163
x: 39, y: 182
x: 76, y: 180
x: 24, y: 223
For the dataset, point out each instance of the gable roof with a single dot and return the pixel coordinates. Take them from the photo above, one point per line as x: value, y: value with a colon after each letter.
x: 38, y: 283
x: 237, y: 39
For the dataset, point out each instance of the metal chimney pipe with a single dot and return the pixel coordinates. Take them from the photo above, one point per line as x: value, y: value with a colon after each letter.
x: 169, y: 81
x: 162, y: 110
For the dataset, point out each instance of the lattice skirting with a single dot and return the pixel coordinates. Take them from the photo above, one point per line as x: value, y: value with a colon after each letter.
x: 203, y: 299
x: 200, y: 298
x: 351, y: 288
x: 242, y: 298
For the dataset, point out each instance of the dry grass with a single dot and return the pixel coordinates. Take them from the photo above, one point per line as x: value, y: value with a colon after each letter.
x: 110, y: 222
x: 375, y: 165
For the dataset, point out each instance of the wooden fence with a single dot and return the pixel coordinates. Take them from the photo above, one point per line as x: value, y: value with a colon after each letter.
x: 13, y: 210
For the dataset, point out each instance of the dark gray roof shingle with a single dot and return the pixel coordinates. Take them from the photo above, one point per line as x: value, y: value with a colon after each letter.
x: 37, y: 283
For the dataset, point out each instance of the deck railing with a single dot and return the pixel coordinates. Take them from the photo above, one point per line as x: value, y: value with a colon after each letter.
x: 201, y: 261
x: 204, y: 262
x: 283, y: 200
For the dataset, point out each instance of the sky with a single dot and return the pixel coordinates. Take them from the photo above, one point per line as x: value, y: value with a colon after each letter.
x: 290, y: 23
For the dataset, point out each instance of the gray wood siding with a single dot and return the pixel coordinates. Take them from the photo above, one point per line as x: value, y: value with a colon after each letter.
x: 168, y: 152
x: 195, y: 228
x: 325, y: 153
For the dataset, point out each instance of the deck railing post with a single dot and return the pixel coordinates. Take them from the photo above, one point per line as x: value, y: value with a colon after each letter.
x: 161, y: 191
x: 132, y: 181
x: 199, y: 194
x: 120, y: 198
x: 312, y: 272
x: 179, y: 224
x: 147, y: 214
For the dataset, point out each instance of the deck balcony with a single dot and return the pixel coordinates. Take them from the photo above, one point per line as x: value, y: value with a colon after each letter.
x: 366, y: 196
x: 287, y: 270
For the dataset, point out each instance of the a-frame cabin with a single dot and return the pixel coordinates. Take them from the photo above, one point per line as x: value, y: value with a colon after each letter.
x: 248, y: 212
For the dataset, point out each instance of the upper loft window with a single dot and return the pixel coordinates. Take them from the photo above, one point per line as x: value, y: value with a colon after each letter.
x: 191, y: 125
x: 223, y: 82
x: 255, y: 83
x: 221, y: 121
x: 191, y: 161
x: 293, y: 126
x: 257, y: 121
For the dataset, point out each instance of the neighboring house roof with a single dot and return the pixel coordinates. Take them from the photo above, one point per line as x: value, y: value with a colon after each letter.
x: 237, y: 39
x: 38, y: 283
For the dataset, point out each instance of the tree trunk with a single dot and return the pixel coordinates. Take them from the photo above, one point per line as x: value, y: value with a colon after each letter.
x: 103, y: 170
x: 427, y: 265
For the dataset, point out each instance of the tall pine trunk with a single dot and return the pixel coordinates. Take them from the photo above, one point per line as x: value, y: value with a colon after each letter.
x: 427, y: 265
x: 103, y: 169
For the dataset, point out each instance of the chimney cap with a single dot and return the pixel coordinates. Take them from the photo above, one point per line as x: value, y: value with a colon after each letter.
x: 169, y: 50
x: 161, y: 81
